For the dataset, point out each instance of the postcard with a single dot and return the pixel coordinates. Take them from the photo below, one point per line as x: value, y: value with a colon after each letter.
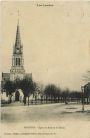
x: 45, y: 69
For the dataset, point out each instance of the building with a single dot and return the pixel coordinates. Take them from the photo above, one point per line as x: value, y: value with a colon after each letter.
x: 87, y: 93
x: 17, y: 70
x: 5, y: 77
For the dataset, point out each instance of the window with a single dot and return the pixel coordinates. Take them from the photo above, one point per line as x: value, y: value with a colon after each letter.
x: 17, y: 61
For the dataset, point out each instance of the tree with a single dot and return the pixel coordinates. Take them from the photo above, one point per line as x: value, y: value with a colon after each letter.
x: 40, y: 90
x: 86, y: 76
x: 28, y: 86
x: 58, y: 93
x: 75, y: 95
x: 9, y: 86
x: 87, y: 92
x: 65, y: 95
x: 87, y: 86
x: 51, y: 91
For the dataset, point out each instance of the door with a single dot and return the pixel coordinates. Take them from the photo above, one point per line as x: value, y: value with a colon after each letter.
x: 17, y: 96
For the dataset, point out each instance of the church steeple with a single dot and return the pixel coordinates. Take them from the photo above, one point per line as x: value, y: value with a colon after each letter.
x: 18, y: 39
x: 17, y: 69
x: 18, y: 46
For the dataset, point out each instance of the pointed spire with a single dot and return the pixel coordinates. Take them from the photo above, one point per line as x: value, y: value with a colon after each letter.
x: 18, y: 39
x: 18, y: 45
x: 18, y: 17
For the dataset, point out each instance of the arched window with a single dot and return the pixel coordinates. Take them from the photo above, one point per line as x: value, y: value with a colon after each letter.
x: 17, y: 61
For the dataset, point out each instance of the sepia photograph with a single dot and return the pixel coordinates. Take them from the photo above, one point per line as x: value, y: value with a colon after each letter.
x: 45, y: 69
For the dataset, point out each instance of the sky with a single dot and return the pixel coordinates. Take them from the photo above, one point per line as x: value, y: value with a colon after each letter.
x: 56, y: 40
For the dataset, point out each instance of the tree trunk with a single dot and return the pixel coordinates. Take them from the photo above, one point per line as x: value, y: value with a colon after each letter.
x: 61, y: 99
x: 46, y: 99
x: 87, y: 100
x: 51, y: 99
x: 10, y: 98
x: 77, y: 100
x: 66, y: 100
x: 24, y: 100
x: 28, y: 100
x: 54, y: 99
x: 41, y: 99
x: 35, y: 99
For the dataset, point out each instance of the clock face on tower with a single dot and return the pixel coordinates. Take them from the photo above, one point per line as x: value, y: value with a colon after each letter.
x: 17, y: 50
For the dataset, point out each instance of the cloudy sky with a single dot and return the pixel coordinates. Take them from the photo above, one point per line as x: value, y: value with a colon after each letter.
x: 55, y: 40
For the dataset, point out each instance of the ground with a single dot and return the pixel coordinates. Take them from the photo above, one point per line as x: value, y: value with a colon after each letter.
x: 55, y: 120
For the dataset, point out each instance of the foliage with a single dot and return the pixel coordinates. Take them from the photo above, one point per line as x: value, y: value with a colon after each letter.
x: 52, y: 91
x: 9, y: 86
x: 27, y: 85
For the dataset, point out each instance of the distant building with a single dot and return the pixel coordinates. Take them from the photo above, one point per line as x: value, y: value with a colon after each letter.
x: 87, y: 93
x: 5, y: 77
x: 17, y: 70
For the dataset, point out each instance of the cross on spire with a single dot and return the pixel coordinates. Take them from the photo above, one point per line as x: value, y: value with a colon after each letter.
x: 18, y: 45
x: 18, y: 17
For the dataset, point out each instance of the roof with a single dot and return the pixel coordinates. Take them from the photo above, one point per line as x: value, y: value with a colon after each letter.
x: 87, y: 86
x: 28, y: 75
x: 6, y: 75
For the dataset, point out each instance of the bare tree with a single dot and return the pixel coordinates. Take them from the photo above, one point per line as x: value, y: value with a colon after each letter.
x: 86, y: 76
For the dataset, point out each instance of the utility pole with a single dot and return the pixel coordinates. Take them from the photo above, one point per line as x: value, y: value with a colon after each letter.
x: 82, y: 88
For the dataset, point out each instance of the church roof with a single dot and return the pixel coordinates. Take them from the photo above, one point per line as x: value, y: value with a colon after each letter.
x: 28, y: 75
x: 6, y: 75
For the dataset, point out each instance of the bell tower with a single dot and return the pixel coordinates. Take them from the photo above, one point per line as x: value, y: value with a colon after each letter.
x: 17, y: 70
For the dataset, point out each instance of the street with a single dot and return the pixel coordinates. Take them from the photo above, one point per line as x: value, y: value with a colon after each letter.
x: 60, y: 119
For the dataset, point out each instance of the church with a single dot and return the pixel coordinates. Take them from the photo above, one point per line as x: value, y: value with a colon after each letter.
x: 17, y: 70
